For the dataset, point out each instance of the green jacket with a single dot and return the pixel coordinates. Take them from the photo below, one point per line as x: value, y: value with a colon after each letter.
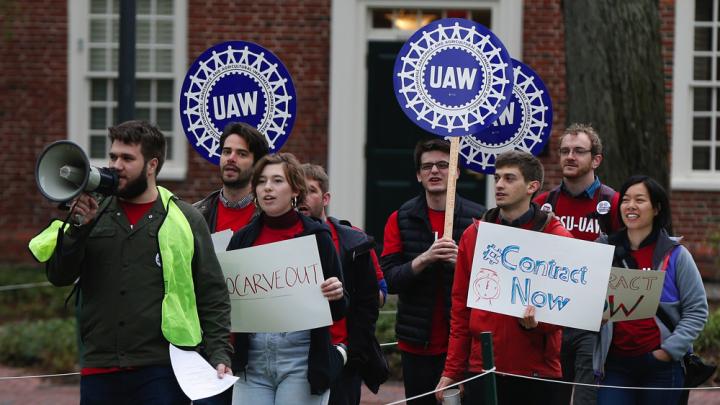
x: 122, y: 288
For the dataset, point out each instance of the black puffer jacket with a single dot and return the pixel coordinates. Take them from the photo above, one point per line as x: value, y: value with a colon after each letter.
x: 417, y: 291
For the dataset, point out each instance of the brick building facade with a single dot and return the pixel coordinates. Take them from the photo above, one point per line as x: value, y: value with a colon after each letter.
x: 38, y: 66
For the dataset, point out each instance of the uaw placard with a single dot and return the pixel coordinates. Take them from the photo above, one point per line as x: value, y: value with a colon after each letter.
x: 236, y: 81
x: 565, y: 279
x: 276, y: 287
x: 525, y: 124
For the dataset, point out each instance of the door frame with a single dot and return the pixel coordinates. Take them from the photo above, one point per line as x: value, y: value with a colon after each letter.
x: 350, y: 31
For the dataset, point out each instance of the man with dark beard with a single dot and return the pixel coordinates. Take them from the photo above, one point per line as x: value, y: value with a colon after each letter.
x: 146, y: 275
x: 586, y: 208
x: 232, y: 206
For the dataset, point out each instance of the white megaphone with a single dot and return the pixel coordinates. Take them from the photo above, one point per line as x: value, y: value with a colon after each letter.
x: 63, y: 171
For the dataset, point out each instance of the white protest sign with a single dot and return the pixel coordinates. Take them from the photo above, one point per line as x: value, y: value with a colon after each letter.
x: 633, y: 294
x: 276, y: 287
x: 221, y: 240
x: 196, y: 376
x: 564, y: 278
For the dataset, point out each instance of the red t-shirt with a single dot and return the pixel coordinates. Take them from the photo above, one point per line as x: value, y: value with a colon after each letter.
x: 572, y: 213
x: 439, y: 330
x: 233, y: 218
x: 133, y: 212
x: 634, y: 338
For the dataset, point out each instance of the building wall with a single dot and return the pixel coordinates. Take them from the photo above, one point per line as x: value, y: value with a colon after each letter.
x: 33, y: 99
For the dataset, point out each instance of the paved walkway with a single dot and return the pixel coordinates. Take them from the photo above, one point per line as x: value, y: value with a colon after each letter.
x: 65, y: 391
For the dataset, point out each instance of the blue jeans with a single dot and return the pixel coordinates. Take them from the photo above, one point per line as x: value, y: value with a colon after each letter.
x: 144, y: 385
x: 277, y: 371
x: 640, y: 371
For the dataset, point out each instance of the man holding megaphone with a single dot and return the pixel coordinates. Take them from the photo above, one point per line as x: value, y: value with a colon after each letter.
x: 146, y: 275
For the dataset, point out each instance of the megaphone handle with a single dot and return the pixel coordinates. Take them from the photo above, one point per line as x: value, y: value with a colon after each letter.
x: 64, y: 206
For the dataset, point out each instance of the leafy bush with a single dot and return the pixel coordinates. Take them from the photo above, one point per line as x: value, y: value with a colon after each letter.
x: 709, y: 339
x: 385, y: 332
x: 48, y: 344
x: 41, y: 302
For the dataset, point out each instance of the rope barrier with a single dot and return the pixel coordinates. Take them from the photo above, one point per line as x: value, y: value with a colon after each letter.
x: 606, y: 386
x: 23, y: 286
x: 388, y: 344
x: 486, y: 372
x: 22, y: 377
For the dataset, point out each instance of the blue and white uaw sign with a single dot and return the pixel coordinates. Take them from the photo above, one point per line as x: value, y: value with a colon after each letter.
x: 453, y: 77
x: 525, y: 124
x: 565, y: 279
x: 236, y: 81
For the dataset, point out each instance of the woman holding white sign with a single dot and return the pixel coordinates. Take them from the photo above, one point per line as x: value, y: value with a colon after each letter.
x: 293, y: 367
x: 648, y: 352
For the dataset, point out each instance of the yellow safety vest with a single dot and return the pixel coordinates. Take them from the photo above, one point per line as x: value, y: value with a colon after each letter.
x: 180, y: 321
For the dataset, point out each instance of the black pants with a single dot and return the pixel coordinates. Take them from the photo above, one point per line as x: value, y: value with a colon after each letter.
x: 154, y: 385
x: 576, y: 356
x: 421, y: 374
x: 346, y: 390
x: 511, y: 391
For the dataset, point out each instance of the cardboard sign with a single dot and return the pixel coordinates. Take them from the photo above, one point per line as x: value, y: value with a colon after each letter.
x: 633, y: 294
x: 276, y: 287
x: 236, y: 81
x: 524, y: 125
x: 453, y: 77
x: 564, y: 278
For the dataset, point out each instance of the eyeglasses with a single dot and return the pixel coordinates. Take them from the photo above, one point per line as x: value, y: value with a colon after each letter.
x: 574, y: 151
x: 441, y: 165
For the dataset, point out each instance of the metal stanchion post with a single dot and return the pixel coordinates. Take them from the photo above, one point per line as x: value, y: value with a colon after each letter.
x: 488, y: 359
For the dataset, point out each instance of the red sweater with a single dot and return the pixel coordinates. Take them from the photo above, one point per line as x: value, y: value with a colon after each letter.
x: 534, y: 352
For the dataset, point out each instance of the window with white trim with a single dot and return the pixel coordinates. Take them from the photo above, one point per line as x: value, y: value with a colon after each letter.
x: 160, y: 65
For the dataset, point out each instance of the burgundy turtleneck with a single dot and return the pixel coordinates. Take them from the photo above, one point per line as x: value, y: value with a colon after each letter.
x: 275, y: 229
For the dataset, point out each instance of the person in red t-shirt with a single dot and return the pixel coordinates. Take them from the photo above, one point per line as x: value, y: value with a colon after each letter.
x: 587, y: 209
x: 418, y: 262
x: 521, y: 345
x: 232, y: 206
x: 360, y: 271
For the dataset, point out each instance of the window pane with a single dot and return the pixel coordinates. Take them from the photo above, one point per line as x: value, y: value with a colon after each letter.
x: 701, y: 99
x: 97, y: 147
x: 164, y: 91
x: 164, y: 33
x: 164, y: 7
x: 115, y: 30
x: 381, y: 18
x: 97, y: 60
x: 701, y: 68
x: 116, y: 7
x: 98, y: 30
x: 483, y: 17
x: 142, y: 114
x: 701, y: 158
x: 163, y: 60
x: 142, y: 90
x: 703, y: 39
x: 98, y: 6
x: 97, y: 118
x: 142, y: 61
x: 98, y: 89
x: 717, y: 158
x: 142, y: 31
x: 701, y: 128
x: 143, y: 7
x: 164, y: 119
x: 703, y: 10
x: 169, y: 149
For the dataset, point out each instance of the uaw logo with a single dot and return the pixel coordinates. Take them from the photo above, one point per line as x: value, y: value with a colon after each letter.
x: 524, y: 125
x: 453, y: 77
x: 236, y: 81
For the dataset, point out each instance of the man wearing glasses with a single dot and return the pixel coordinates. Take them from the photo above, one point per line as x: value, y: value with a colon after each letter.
x: 418, y: 262
x: 586, y: 208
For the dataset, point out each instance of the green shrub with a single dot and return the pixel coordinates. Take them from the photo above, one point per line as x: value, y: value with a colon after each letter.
x: 709, y: 339
x: 48, y: 344
x: 385, y: 332
x: 41, y: 302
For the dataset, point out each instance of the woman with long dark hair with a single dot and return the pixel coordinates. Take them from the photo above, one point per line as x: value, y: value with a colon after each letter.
x: 648, y: 352
x: 293, y: 367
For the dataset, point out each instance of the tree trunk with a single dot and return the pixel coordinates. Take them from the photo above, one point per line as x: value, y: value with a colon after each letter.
x: 615, y: 82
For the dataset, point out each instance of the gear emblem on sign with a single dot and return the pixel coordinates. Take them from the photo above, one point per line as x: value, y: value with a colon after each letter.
x: 453, y: 77
x: 236, y: 81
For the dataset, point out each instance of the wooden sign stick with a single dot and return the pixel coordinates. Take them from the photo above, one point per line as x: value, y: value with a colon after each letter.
x: 452, y: 179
